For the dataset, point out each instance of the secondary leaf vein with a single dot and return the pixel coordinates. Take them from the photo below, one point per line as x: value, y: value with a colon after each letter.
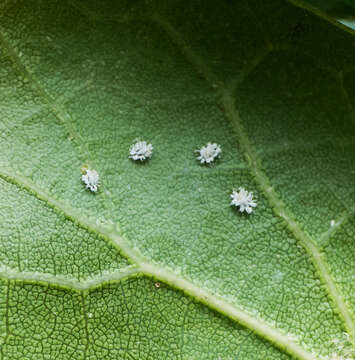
x: 149, y: 269
x: 228, y: 103
x: 56, y: 107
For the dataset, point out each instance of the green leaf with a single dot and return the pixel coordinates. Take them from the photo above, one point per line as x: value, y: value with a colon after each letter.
x: 157, y: 264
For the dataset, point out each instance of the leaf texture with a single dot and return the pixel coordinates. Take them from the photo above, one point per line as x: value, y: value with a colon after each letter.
x: 156, y: 264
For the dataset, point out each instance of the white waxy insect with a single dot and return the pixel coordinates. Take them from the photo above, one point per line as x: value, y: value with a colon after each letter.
x: 244, y: 200
x: 141, y: 151
x: 91, y: 179
x: 209, y: 153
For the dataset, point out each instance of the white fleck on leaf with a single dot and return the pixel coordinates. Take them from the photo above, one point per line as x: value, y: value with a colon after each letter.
x: 91, y: 179
x: 209, y: 153
x: 244, y: 200
x: 332, y: 223
x: 141, y: 151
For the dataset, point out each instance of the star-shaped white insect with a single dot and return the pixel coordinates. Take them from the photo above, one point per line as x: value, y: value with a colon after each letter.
x: 209, y: 153
x: 91, y: 179
x: 244, y: 200
x: 141, y: 151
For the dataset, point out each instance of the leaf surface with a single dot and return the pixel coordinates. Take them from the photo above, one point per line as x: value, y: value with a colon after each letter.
x: 156, y: 264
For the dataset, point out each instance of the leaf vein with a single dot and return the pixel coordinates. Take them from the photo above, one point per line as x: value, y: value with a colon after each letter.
x: 143, y: 267
x: 231, y: 111
x: 65, y: 282
x: 58, y: 110
x: 73, y: 214
x: 280, y: 209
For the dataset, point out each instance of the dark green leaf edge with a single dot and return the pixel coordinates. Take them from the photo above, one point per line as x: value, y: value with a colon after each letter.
x: 321, y: 14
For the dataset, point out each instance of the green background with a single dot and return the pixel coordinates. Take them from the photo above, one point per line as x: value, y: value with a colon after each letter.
x: 273, y: 83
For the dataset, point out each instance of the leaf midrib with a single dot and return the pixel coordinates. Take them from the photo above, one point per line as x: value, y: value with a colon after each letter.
x: 149, y: 269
